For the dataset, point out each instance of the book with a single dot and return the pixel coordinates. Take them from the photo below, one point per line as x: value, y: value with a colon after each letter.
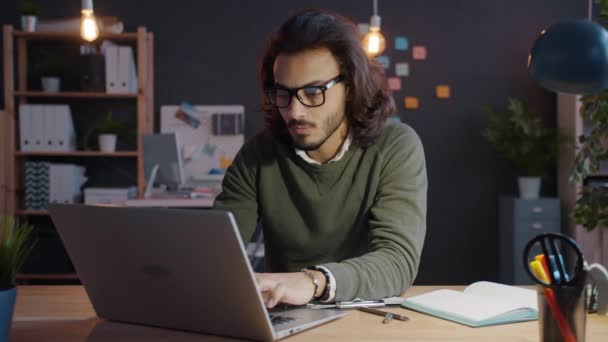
x: 480, y: 304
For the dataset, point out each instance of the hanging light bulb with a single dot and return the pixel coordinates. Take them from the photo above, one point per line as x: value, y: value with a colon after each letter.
x: 88, y: 27
x: 373, y: 41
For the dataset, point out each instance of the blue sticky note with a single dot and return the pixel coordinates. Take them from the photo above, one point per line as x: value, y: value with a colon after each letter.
x: 401, y: 43
x: 384, y: 60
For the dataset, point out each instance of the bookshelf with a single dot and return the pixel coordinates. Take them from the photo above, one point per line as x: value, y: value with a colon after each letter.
x: 16, y: 92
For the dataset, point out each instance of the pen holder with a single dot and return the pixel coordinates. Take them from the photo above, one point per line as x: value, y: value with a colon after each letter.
x: 562, y: 312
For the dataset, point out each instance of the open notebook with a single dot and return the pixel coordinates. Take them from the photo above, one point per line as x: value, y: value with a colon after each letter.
x: 481, y: 304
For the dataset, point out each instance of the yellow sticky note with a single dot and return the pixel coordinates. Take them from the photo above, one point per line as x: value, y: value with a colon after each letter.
x: 225, y: 162
x: 442, y: 91
x: 411, y: 102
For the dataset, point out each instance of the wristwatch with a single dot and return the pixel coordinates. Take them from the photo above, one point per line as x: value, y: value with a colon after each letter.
x: 315, y: 282
x: 325, y: 295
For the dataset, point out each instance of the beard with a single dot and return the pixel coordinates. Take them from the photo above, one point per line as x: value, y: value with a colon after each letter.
x: 328, y: 127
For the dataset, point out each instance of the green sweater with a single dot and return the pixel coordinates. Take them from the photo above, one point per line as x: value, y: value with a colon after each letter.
x: 363, y: 216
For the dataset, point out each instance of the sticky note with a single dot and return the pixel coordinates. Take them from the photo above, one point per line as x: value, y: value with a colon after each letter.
x: 411, y: 102
x: 363, y: 28
x: 384, y: 60
x: 394, y: 83
x: 402, y: 69
x: 401, y: 43
x: 419, y: 52
x: 442, y: 91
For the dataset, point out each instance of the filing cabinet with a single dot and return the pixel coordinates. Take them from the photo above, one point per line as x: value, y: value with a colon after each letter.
x: 520, y: 221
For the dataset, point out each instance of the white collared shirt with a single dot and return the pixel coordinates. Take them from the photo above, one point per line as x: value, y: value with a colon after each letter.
x: 341, y: 152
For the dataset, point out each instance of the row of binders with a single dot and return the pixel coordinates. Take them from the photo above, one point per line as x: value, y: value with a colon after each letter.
x: 46, y: 128
x: 52, y: 183
x: 121, y: 75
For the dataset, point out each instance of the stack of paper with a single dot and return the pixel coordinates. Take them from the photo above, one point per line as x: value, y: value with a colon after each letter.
x: 46, y: 128
x: 109, y: 196
x: 65, y: 183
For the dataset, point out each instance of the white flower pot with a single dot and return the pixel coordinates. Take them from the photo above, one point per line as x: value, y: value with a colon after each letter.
x: 28, y: 23
x: 529, y: 187
x: 107, y: 142
x: 51, y: 84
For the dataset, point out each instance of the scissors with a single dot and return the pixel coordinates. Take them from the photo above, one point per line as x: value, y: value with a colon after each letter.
x: 558, y: 256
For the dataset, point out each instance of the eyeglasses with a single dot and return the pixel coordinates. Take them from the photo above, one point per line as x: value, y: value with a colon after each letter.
x: 310, y: 96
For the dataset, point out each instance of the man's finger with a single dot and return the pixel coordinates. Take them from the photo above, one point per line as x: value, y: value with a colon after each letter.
x: 276, y: 295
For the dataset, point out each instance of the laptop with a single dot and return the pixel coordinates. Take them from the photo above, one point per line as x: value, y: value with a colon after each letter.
x: 173, y: 268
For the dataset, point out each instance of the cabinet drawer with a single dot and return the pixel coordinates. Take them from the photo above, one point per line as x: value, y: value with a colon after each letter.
x: 531, y: 228
x: 537, y: 209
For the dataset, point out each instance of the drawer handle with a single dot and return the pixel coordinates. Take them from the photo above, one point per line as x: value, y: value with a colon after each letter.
x: 537, y: 210
x: 537, y: 225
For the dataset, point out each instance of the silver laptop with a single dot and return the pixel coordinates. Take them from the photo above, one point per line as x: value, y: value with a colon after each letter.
x: 173, y: 268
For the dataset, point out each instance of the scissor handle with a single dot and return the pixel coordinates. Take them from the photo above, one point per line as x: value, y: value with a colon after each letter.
x: 548, y: 246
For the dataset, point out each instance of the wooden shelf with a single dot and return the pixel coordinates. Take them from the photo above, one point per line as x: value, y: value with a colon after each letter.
x: 47, y: 276
x: 32, y: 212
x: 73, y: 35
x: 76, y: 94
x: 118, y: 154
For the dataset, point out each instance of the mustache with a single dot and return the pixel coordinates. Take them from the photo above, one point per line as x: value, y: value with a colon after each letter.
x: 293, y: 122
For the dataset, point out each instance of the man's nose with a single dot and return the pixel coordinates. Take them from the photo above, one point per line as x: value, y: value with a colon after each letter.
x: 295, y: 109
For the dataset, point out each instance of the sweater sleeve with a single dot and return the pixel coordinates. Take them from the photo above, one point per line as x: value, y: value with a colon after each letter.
x: 239, y: 190
x: 397, y: 226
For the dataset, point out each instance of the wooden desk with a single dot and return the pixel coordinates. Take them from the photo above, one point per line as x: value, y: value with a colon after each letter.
x: 64, y: 313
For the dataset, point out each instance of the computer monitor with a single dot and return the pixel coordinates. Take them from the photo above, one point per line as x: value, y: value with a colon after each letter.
x: 162, y: 161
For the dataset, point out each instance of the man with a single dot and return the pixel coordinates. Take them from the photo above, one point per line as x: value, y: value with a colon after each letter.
x: 340, y: 193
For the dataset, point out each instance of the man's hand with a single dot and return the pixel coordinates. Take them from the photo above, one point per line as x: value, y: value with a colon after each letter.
x: 289, y: 288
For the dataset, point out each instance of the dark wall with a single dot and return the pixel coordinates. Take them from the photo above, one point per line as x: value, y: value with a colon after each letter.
x: 207, y: 52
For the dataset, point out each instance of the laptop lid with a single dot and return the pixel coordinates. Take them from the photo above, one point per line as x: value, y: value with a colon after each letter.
x: 174, y: 268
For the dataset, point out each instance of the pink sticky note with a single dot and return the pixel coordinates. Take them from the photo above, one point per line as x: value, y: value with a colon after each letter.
x: 394, y: 83
x: 419, y: 52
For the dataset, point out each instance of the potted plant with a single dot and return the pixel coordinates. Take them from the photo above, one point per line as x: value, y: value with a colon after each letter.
x: 29, y: 15
x: 15, y: 247
x: 519, y: 136
x: 50, y: 73
x: 107, y: 131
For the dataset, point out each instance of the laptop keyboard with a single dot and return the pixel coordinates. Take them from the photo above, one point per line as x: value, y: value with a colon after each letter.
x: 280, y: 320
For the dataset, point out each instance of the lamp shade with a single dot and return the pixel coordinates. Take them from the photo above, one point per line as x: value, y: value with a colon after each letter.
x: 571, y: 57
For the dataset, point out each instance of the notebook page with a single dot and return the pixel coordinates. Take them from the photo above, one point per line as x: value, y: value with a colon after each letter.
x: 522, y: 298
x: 460, y: 304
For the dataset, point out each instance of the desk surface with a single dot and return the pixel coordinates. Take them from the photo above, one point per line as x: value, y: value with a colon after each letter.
x: 64, y: 313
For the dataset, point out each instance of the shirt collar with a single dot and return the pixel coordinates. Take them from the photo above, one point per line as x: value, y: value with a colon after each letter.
x: 339, y: 155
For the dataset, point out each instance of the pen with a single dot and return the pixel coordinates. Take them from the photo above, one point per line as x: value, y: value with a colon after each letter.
x: 387, y: 315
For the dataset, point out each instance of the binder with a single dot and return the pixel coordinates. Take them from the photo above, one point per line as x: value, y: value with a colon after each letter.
x: 37, y: 122
x: 63, y: 128
x: 49, y: 141
x: 25, y: 128
x: 111, y: 54
x: 127, y: 77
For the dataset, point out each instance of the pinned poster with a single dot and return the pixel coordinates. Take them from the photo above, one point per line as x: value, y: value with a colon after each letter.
x: 384, y: 60
x: 402, y: 69
x: 394, y: 83
x: 442, y: 91
x: 401, y: 43
x: 419, y: 52
x: 411, y: 103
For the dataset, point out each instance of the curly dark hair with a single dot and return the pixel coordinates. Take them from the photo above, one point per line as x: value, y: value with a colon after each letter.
x: 369, y: 103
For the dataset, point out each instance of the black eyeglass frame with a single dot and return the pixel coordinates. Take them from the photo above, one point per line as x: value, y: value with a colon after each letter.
x: 294, y: 92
